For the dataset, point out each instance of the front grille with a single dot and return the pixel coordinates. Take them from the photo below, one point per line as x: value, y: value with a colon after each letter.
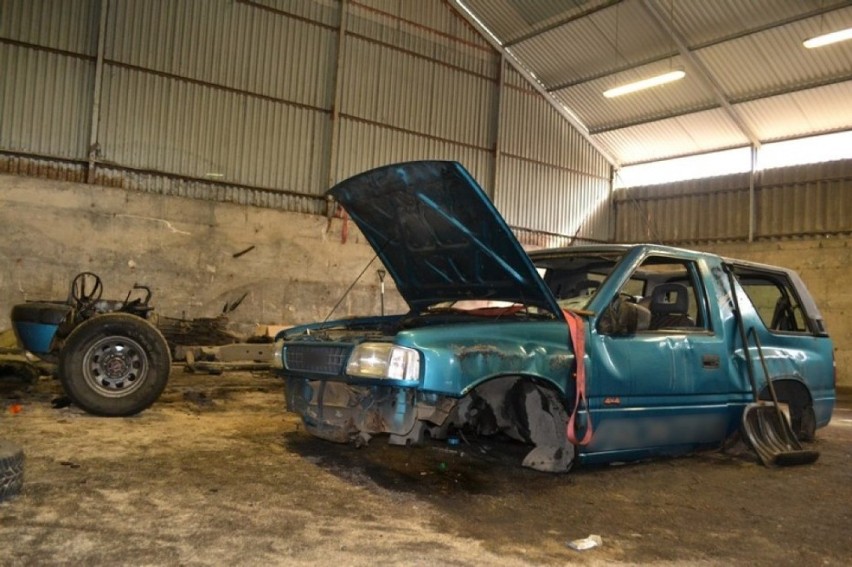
x: 319, y: 359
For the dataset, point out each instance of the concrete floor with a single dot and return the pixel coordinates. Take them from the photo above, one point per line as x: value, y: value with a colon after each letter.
x: 218, y: 473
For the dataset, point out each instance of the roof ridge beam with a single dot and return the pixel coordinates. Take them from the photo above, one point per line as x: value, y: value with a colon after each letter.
x: 701, y: 71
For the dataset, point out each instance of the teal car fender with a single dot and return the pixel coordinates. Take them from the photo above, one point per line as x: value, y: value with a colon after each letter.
x: 479, y: 352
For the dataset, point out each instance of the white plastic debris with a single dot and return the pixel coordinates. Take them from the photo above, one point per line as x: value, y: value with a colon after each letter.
x: 586, y: 543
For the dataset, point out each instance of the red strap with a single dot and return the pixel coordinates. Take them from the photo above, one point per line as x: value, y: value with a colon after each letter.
x: 578, y: 340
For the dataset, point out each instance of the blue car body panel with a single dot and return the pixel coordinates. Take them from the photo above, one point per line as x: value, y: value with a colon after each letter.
x: 36, y: 324
x: 649, y: 393
x: 36, y: 337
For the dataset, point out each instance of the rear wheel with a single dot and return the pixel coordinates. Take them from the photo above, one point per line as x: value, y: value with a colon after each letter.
x: 800, y: 404
x: 114, y: 365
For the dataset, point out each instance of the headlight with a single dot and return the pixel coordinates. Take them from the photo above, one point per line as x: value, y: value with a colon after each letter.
x: 278, y: 354
x: 384, y: 360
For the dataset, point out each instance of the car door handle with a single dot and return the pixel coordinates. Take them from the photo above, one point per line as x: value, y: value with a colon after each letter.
x: 710, y: 361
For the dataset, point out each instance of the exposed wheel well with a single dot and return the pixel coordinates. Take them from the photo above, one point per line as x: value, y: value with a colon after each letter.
x: 798, y: 398
x: 526, y: 409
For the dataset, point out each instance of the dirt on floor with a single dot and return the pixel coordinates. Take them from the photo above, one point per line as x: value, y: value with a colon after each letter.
x: 217, y: 472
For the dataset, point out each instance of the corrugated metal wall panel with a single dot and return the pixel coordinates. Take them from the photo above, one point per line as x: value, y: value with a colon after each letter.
x: 380, y: 25
x: 225, y: 43
x: 66, y: 25
x: 806, y: 201
x: 434, y: 15
x: 517, y: 81
x: 693, y: 211
x: 163, y: 124
x: 790, y: 202
x: 532, y: 129
x: 364, y: 145
x: 243, y: 90
x: 417, y: 95
x: 163, y: 184
x: 45, y: 102
x: 549, y: 177
x: 552, y: 199
x: 323, y: 11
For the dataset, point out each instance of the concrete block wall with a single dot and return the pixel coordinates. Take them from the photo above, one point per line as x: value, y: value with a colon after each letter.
x: 184, y: 249
x: 298, y: 269
x: 825, y: 265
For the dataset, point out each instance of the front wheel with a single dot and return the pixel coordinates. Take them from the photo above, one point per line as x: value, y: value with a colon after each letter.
x: 114, y: 365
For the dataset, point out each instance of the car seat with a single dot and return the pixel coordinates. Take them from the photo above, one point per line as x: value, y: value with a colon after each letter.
x: 669, y: 306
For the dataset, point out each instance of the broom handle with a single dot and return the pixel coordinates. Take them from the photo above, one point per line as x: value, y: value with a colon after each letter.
x: 738, y: 316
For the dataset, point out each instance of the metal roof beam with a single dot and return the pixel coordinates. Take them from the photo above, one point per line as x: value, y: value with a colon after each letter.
x: 559, y: 23
x: 698, y: 47
x: 562, y: 110
x: 701, y: 71
x: 651, y: 119
x: 596, y: 130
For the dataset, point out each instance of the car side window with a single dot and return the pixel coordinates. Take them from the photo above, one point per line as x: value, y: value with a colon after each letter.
x: 666, y: 296
x: 774, y: 300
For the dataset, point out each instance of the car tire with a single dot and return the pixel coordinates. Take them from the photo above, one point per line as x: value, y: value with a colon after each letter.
x: 114, y: 365
x: 11, y: 469
x: 804, y: 425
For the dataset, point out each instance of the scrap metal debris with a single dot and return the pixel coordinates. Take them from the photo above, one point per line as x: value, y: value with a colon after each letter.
x: 203, y: 331
x: 242, y: 252
x: 586, y: 543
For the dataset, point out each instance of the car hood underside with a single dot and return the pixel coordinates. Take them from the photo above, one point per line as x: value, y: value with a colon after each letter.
x: 440, y: 237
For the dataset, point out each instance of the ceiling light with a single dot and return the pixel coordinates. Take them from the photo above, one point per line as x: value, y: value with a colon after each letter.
x: 645, y: 83
x: 828, y: 38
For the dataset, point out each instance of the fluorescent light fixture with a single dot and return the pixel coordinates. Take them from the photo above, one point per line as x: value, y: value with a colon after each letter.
x: 828, y: 38
x: 645, y: 84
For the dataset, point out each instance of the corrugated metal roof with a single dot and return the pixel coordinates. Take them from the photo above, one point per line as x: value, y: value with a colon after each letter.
x: 622, y: 34
x: 776, y: 60
x: 683, y: 135
x: 600, y: 113
x: 805, y: 112
x: 735, y: 54
x: 514, y: 19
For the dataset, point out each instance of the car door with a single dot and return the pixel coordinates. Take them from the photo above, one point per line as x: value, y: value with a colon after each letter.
x: 666, y: 387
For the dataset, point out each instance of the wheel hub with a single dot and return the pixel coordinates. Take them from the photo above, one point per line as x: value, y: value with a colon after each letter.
x: 115, y: 366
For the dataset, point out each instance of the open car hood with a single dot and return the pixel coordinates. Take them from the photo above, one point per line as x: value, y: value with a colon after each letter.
x: 439, y: 236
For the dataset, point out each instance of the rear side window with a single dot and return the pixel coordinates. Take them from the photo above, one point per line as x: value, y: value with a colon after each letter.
x: 774, y: 299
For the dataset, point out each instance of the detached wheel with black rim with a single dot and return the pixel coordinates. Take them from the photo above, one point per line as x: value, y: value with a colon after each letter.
x: 11, y: 469
x: 114, y: 365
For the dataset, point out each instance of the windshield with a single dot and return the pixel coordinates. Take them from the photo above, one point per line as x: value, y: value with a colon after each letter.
x: 574, y: 279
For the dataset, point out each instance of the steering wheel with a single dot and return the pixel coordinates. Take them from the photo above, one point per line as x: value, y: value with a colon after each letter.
x: 86, y: 289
